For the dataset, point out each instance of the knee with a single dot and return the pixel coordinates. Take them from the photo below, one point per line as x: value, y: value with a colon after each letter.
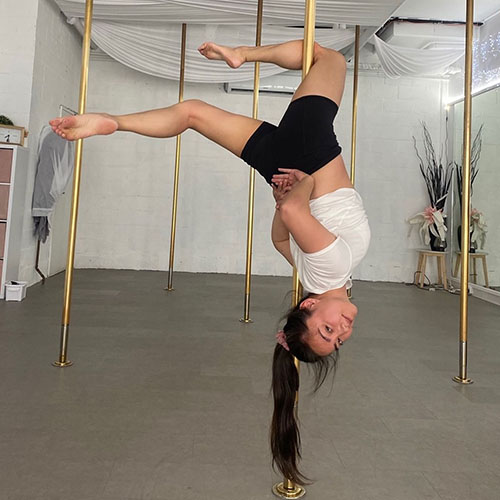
x: 318, y: 50
x: 323, y: 52
x: 193, y: 109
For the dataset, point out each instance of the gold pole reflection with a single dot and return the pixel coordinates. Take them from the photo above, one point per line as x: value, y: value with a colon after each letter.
x: 251, y: 186
x: 354, y: 106
x: 464, y: 286
x: 68, y: 281
x: 287, y: 489
x: 177, y: 165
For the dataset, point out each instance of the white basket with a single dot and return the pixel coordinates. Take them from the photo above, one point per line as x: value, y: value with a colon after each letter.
x: 15, y: 290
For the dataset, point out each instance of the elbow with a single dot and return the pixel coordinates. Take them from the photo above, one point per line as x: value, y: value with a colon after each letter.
x: 279, y: 244
x: 288, y: 210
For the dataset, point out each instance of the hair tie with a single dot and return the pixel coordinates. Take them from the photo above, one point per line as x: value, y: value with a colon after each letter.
x: 281, y: 339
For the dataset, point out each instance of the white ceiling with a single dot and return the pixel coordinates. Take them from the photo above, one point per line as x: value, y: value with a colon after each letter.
x: 447, y: 10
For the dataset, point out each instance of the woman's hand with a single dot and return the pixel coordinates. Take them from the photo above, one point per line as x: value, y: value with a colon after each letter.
x: 280, y: 189
x: 290, y: 176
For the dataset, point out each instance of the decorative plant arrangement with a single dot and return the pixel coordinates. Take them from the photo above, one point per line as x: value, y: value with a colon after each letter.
x: 478, y: 229
x: 475, y: 154
x: 437, y: 178
x: 478, y: 224
x: 431, y: 222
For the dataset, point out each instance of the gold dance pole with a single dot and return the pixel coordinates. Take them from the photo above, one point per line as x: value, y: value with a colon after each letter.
x: 251, y: 186
x: 177, y: 165
x: 288, y: 489
x: 354, y: 125
x: 68, y: 283
x: 464, y: 287
x: 354, y: 106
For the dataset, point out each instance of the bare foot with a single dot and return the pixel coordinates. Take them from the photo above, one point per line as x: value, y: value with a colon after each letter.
x: 233, y: 57
x: 82, y: 126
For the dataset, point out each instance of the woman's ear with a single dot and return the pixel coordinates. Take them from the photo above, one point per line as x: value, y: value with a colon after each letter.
x: 308, y: 303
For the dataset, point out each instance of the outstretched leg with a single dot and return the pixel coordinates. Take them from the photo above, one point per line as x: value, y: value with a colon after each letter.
x: 229, y: 130
x: 326, y: 76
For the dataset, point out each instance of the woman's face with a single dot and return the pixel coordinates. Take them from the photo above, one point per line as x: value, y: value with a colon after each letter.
x: 331, y: 320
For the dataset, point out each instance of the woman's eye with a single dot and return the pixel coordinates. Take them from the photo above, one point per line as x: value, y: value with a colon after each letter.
x: 328, y: 329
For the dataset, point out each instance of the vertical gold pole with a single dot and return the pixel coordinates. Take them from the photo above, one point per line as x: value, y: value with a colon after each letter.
x: 354, y: 115
x: 68, y: 283
x: 354, y: 106
x: 296, y: 287
x: 464, y: 287
x: 287, y: 489
x: 177, y: 165
x: 251, y: 186
x: 308, y: 47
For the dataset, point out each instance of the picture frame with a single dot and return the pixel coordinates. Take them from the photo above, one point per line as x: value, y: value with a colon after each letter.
x: 10, y: 134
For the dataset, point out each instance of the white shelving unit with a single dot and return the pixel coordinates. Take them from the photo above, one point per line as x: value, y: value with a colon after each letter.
x: 13, y: 175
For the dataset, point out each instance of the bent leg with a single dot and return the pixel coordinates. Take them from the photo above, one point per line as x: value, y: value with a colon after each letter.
x: 288, y: 55
x: 326, y: 76
x: 229, y: 130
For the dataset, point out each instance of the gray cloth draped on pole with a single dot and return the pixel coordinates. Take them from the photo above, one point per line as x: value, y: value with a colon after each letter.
x: 53, y: 172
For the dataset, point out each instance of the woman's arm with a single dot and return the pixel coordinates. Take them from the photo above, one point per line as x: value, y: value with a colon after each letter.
x: 279, y: 233
x: 311, y: 236
x: 281, y: 237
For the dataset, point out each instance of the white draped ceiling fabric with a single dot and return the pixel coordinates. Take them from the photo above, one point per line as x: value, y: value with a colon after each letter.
x: 145, y: 34
x: 279, y: 12
x: 404, y: 61
x: 154, y: 49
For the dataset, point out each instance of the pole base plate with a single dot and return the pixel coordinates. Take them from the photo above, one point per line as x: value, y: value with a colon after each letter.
x: 62, y: 364
x: 281, y: 491
x: 464, y: 381
x: 243, y: 320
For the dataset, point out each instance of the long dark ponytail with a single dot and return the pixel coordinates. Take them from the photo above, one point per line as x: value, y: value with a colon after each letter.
x: 285, y: 434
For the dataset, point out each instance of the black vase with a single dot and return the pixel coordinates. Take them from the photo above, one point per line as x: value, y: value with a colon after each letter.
x: 437, y: 244
x: 472, y: 246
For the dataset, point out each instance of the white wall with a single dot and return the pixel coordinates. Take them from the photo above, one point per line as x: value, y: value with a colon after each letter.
x: 127, y: 179
x: 388, y: 177
x: 17, y: 52
x: 54, y: 73
x: 127, y: 186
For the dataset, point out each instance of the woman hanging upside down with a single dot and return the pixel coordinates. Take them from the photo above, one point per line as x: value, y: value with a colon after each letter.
x: 319, y: 224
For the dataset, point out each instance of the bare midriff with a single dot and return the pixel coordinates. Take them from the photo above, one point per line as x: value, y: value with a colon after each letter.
x: 330, y: 177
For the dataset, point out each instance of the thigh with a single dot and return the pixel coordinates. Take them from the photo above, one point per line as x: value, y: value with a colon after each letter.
x: 326, y: 76
x: 229, y: 130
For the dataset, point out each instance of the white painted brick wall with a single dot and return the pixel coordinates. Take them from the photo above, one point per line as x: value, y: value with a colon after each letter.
x: 55, y: 73
x: 127, y: 181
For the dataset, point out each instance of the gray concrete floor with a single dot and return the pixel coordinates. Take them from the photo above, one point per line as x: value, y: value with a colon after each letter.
x: 169, y: 398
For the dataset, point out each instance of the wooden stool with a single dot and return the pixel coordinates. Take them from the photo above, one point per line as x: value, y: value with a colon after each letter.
x: 441, y: 265
x: 474, y: 258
